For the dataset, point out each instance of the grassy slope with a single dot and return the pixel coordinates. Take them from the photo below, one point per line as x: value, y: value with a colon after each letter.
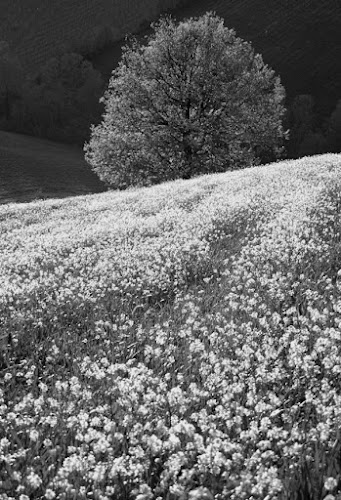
x: 300, y: 40
x: 147, y: 331
x: 33, y: 168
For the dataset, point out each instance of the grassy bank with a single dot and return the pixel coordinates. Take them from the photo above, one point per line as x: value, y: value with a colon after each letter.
x: 175, y: 342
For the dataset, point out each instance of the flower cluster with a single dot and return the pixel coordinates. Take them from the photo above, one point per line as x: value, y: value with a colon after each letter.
x: 178, y: 342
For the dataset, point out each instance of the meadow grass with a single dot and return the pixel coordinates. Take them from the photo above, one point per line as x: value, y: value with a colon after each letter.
x: 175, y: 342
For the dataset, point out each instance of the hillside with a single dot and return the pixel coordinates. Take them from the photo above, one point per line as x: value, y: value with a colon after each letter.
x: 180, y: 341
x: 32, y: 168
x: 40, y: 29
x: 300, y: 40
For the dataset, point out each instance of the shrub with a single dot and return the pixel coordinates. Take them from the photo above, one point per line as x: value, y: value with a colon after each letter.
x: 195, y: 99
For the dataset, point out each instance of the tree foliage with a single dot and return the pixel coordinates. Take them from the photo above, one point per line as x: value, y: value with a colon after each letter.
x: 195, y: 99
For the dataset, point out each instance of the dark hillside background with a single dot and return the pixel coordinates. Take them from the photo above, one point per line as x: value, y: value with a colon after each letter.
x: 40, y: 29
x: 301, y: 39
x: 33, y: 168
x: 57, y: 57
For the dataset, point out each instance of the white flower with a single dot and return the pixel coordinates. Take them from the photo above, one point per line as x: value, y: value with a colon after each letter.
x: 34, y: 435
x: 330, y: 483
x: 101, y: 446
x: 43, y: 387
x: 50, y: 494
x: 17, y: 476
x: 145, y: 493
x: 4, y: 443
x: 34, y: 480
x: 200, y: 494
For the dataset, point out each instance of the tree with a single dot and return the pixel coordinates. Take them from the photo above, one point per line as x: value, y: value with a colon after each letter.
x: 195, y: 99
x: 62, y: 101
x: 10, y: 77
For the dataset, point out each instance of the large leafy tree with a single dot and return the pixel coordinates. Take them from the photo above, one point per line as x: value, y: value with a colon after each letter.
x: 194, y: 99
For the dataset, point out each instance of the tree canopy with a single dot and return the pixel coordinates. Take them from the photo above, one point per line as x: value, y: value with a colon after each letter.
x: 195, y: 99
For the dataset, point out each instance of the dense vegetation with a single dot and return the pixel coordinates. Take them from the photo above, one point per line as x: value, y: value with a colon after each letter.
x: 175, y: 342
x: 195, y: 99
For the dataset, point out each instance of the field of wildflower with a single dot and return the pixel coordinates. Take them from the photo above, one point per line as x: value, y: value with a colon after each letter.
x: 177, y: 342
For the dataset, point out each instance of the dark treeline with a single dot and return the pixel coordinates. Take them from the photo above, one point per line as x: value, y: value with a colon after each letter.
x: 59, y: 103
x: 62, y: 101
x: 310, y: 133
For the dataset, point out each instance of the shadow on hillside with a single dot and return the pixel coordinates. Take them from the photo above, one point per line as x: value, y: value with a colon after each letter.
x: 32, y: 168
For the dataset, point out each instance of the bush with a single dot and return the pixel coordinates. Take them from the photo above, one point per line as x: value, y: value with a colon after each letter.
x: 196, y: 99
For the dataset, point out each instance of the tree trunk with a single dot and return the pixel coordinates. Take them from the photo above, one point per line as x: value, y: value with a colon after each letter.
x: 188, y: 153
